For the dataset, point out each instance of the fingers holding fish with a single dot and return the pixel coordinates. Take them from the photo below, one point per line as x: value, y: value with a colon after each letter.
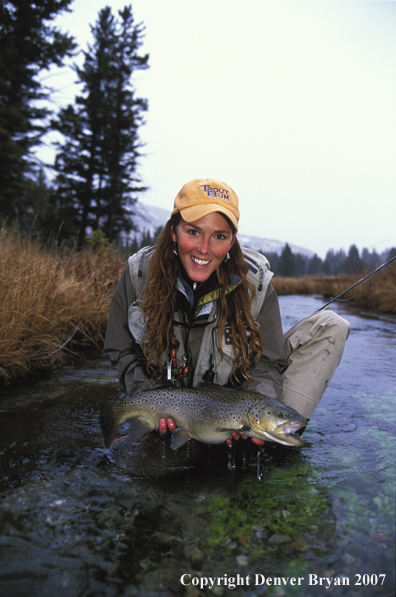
x: 235, y: 435
x: 171, y: 424
x: 165, y: 424
x: 162, y: 426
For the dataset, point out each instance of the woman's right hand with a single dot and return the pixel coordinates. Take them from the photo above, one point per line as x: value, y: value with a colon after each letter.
x: 235, y: 435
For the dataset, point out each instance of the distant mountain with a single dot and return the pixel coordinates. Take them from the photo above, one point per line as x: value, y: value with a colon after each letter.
x: 148, y: 218
x: 270, y: 245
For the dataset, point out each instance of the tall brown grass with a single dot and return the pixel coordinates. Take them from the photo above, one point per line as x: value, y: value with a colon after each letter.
x: 377, y: 293
x: 50, y: 300
x: 55, y: 304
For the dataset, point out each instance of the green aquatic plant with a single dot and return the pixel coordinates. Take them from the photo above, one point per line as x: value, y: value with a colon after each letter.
x: 279, y: 505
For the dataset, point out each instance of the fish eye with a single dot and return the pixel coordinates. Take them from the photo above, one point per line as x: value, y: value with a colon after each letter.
x: 282, y: 414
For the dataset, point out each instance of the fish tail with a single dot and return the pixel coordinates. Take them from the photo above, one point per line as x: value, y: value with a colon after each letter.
x: 109, y: 423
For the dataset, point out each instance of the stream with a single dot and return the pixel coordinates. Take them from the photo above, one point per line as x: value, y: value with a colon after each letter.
x: 78, y: 520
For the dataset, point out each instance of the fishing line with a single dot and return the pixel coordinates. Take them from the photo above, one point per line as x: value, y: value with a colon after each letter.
x: 354, y: 285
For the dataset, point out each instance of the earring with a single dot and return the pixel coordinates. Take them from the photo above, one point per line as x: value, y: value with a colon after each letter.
x: 175, y: 249
x: 226, y: 258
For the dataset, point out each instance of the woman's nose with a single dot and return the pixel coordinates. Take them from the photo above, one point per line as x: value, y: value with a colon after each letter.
x: 204, y: 245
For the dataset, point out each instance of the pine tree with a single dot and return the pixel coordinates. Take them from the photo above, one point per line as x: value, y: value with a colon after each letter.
x: 300, y: 264
x: 29, y: 44
x: 97, y: 161
x: 314, y: 265
x: 353, y: 263
x: 391, y: 253
x: 334, y: 263
x: 286, y: 264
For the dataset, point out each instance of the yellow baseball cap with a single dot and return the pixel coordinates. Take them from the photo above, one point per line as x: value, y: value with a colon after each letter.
x: 203, y: 196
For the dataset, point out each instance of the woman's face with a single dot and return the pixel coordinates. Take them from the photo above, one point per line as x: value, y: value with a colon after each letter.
x: 203, y: 244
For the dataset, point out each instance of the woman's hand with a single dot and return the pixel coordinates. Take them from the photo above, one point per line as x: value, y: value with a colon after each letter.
x: 235, y: 435
x: 166, y: 424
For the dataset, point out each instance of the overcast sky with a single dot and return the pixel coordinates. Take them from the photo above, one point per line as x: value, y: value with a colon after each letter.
x: 293, y: 104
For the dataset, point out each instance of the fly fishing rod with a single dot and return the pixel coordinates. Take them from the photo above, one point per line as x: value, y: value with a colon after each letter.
x: 354, y: 285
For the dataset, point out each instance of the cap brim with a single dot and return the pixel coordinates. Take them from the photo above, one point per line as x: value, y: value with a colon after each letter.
x: 190, y: 214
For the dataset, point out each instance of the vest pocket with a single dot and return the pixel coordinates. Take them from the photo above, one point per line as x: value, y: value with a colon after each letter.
x: 136, y: 324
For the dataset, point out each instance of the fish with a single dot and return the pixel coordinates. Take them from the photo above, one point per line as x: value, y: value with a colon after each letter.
x: 208, y: 414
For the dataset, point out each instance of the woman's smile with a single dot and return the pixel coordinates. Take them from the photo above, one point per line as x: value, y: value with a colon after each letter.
x: 200, y: 261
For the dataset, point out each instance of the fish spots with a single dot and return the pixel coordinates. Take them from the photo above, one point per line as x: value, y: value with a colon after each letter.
x: 202, y: 411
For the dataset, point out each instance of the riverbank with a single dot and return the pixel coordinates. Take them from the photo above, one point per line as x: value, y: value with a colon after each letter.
x: 377, y: 294
x: 54, y: 305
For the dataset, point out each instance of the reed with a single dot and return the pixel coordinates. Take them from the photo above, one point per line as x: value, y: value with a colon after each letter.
x: 377, y: 294
x: 326, y: 286
x: 50, y: 300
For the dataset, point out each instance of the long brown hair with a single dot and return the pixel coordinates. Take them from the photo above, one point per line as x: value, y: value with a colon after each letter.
x: 159, y: 304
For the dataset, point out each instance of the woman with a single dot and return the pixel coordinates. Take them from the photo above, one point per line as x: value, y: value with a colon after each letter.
x: 197, y: 308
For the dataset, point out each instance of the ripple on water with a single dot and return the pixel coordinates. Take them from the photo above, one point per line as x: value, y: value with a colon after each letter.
x: 78, y: 519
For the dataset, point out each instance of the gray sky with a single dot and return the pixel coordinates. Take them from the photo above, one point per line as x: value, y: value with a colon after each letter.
x: 293, y: 104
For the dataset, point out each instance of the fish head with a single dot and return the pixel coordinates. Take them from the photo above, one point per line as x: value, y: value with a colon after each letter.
x: 276, y: 422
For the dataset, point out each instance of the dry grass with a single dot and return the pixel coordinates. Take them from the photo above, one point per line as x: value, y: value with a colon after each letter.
x: 377, y: 293
x: 49, y: 299
x: 54, y: 305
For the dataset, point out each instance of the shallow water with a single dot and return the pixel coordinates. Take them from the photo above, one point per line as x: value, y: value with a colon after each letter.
x: 78, y: 520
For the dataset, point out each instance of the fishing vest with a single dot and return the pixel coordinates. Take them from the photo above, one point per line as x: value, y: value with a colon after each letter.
x: 209, y: 356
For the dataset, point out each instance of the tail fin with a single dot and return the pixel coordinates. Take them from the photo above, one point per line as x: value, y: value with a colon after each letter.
x: 109, y: 424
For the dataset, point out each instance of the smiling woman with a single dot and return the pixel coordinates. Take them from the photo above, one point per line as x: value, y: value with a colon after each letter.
x: 203, y: 244
x: 197, y: 308
x: 207, y: 228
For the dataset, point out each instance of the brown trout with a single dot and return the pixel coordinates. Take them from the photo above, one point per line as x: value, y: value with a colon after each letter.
x: 208, y: 414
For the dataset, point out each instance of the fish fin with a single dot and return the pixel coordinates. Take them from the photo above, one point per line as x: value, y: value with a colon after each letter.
x: 137, y: 430
x: 179, y: 438
x: 108, y: 423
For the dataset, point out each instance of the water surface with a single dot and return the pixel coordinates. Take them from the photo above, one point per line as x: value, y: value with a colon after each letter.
x: 80, y: 520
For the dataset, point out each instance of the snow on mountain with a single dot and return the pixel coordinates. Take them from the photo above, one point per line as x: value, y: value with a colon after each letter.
x: 269, y: 245
x: 148, y: 218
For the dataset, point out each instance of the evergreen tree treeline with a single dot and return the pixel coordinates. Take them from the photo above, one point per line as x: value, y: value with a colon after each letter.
x: 96, y: 182
x: 29, y: 44
x: 289, y: 264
